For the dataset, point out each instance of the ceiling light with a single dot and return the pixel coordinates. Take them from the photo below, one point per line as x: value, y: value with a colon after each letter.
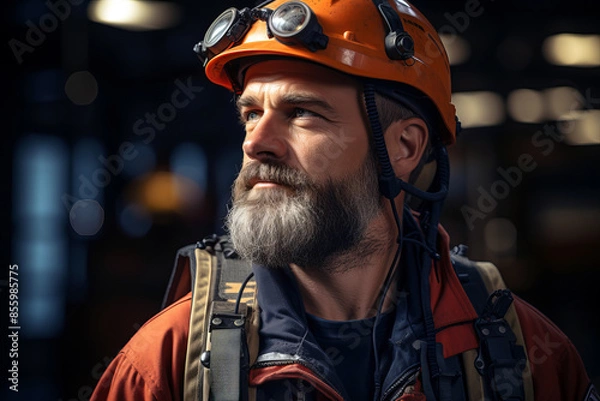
x: 562, y: 100
x: 479, y: 109
x: 581, y: 127
x: 135, y: 15
x: 574, y: 50
x: 526, y: 106
x: 457, y: 47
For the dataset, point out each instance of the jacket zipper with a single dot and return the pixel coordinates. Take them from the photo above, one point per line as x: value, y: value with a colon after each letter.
x: 398, y: 387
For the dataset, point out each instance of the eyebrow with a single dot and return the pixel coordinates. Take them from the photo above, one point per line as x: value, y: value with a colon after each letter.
x: 295, y: 99
x: 245, y: 101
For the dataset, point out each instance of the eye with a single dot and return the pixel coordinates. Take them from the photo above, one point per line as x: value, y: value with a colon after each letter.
x: 248, y: 116
x: 300, y: 112
x: 251, y: 115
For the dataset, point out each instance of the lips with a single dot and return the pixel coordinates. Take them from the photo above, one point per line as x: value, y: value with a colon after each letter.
x: 253, y: 182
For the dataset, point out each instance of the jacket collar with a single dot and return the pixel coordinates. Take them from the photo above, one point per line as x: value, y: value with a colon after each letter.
x: 284, y: 334
x: 453, y: 312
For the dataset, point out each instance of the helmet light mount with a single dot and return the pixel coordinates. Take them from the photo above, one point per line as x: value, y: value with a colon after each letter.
x: 399, y: 45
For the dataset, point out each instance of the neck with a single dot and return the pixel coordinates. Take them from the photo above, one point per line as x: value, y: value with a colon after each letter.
x: 350, y: 286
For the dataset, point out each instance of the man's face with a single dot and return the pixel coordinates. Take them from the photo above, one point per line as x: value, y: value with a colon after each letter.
x: 308, y: 185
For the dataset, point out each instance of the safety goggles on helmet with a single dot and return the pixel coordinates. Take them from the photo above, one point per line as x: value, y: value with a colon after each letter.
x: 293, y: 23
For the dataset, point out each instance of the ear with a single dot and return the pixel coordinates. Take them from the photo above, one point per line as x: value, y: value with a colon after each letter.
x: 406, y: 141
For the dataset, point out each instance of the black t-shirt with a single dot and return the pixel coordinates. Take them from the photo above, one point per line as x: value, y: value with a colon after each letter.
x: 349, y: 344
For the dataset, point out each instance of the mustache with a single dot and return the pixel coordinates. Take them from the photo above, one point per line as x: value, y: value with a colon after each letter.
x: 275, y: 172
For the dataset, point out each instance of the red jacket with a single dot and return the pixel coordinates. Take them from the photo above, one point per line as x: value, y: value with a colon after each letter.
x: 151, y: 366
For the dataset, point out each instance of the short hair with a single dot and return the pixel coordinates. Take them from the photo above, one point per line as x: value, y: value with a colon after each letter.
x: 391, y: 111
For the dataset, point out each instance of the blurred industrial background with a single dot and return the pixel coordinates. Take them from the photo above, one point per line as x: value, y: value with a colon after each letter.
x: 117, y: 151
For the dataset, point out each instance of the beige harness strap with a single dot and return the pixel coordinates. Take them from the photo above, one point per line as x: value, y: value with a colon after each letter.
x: 201, y: 296
x: 493, y: 281
x: 196, y: 386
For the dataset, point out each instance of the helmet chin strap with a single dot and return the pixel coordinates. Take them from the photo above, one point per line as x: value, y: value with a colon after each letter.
x: 390, y: 187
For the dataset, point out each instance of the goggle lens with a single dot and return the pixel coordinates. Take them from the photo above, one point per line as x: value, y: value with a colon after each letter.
x: 289, y: 19
x: 218, y: 29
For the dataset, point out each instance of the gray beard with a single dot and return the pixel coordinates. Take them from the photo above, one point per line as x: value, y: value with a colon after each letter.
x: 303, y: 223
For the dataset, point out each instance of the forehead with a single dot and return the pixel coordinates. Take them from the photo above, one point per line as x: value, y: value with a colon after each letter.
x: 298, y: 72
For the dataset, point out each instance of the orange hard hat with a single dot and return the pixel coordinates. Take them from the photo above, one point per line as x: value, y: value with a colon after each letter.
x: 355, y: 34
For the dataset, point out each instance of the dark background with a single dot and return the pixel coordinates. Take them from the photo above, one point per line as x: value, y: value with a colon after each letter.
x: 92, y: 272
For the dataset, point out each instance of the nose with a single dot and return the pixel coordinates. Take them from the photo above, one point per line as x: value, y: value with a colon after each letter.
x: 266, y: 140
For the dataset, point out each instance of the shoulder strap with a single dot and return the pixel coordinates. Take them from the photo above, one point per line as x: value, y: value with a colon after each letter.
x: 180, y: 282
x: 215, y: 275
x: 502, y: 357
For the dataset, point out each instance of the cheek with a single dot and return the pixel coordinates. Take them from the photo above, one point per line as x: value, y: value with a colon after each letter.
x: 336, y: 154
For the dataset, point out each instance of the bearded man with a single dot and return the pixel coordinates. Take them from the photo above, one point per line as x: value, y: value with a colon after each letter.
x: 343, y: 104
